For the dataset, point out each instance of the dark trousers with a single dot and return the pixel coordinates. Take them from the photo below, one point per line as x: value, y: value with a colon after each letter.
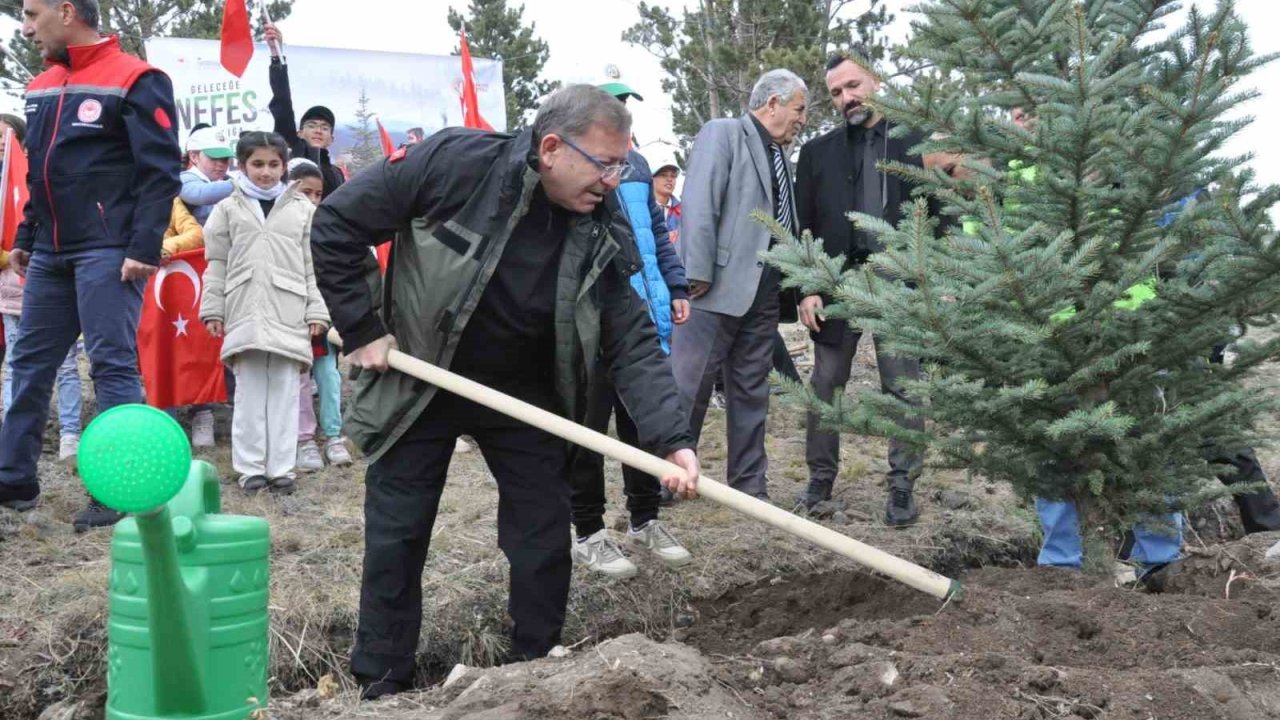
x: 1259, y: 510
x: 402, y: 494
x: 782, y: 362
x: 743, y: 348
x: 644, y: 492
x: 832, y: 365
x: 67, y: 294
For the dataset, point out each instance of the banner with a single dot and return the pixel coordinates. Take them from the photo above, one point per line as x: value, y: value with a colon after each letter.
x: 404, y: 91
x: 179, y: 359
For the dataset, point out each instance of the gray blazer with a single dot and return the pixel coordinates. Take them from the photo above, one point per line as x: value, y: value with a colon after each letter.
x: 728, y: 177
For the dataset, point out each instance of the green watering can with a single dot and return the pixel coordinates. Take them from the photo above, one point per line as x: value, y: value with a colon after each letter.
x: 187, y: 634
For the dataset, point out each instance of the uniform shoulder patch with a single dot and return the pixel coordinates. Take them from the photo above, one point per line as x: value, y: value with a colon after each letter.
x: 398, y: 155
x: 162, y: 118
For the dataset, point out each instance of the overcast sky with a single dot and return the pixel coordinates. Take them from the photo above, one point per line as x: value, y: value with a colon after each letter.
x: 581, y: 45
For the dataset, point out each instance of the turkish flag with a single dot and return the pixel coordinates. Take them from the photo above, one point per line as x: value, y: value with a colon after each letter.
x: 14, y: 191
x: 180, y: 361
x: 237, y: 40
x: 470, y: 101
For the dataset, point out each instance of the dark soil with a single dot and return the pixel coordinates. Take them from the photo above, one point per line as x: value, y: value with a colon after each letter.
x: 1025, y: 644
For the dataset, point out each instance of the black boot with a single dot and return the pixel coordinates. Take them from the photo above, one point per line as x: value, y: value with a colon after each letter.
x: 19, y: 497
x: 817, y: 491
x: 1260, y: 510
x: 95, y: 516
x: 378, y: 689
x: 900, y: 510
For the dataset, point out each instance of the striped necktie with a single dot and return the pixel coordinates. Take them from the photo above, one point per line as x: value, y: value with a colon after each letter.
x: 785, y: 209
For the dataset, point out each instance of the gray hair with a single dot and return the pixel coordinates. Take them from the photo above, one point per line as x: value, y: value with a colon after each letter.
x: 574, y: 109
x: 86, y: 10
x: 780, y: 82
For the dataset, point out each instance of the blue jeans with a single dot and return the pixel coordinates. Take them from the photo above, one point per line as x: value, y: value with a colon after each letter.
x: 329, y: 383
x: 1152, y: 546
x: 68, y: 294
x: 69, y: 401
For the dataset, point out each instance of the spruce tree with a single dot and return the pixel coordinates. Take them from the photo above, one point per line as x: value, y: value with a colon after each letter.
x: 366, y: 146
x: 1067, y: 306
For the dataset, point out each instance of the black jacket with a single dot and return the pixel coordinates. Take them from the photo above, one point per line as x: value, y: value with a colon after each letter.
x: 451, y: 203
x: 825, y: 196
x: 286, y: 126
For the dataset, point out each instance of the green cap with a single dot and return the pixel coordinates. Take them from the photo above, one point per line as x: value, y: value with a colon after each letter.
x: 620, y: 90
x: 134, y: 458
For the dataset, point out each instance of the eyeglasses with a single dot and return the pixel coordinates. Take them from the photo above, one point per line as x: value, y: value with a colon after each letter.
x: 316, y: 125
x: 608, y: 173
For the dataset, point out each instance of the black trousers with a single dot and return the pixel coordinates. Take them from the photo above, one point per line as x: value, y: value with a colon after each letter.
x: 1259, y: 510
x: 644, y: 492
x: 402, y: 494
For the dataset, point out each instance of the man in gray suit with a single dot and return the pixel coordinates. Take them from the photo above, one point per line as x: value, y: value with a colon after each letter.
x: 737, y: 166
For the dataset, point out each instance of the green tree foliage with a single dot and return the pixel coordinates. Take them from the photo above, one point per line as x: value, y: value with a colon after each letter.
x: 135, y: 21
x: 714, y: 52
x: 366, y: 143
x: 498, y: 32
x: 1044, y: 369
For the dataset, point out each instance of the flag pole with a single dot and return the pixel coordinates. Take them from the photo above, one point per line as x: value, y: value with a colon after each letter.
x: 266, y: 20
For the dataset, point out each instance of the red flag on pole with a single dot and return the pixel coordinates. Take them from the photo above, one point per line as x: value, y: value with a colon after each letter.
x: 470, y: 101
x: 237, y: 39
x: 388, y: 147
x: 180, y: 361
x: 14, y: 189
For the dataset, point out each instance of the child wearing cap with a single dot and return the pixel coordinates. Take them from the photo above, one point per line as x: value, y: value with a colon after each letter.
x: 205, y: 183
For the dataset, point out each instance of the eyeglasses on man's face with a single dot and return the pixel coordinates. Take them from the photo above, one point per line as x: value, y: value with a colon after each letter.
x: 608, y: 173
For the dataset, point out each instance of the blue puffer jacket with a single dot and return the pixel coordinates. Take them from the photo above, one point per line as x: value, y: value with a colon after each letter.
x: 662, y: 278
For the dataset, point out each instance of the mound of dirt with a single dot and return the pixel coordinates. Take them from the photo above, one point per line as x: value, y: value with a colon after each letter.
x: 1023, y: 644
x: 627, y: 678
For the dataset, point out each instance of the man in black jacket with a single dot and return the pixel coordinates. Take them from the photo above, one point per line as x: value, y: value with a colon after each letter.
x: 512, y: 267
x: 836, y: 175
x: 311, y: 137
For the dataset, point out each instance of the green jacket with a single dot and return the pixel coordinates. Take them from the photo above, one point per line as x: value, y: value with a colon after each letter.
x: 452, y: 203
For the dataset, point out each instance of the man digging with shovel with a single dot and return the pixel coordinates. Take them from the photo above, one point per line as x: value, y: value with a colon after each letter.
x: 512, y: 269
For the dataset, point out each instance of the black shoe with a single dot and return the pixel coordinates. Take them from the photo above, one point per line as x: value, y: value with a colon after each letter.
x: 95, y: 516
x: 817, y: 491
x: 378, y: 689
x: 20, y: 497
x: 900, y: 511
x: 764, y: 496
x: 251, y: 484
x: 283, y: 485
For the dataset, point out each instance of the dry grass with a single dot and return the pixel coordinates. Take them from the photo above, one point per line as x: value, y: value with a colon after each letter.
x: 52, y: 582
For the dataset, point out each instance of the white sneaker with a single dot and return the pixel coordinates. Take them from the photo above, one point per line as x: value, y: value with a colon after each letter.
x: 68, y: 446
x: 461, y: 446
x: 658, y: 539
x: 601, y: 554
x: 202, y: 429
x: 309, y: 459
x: 335, y: 451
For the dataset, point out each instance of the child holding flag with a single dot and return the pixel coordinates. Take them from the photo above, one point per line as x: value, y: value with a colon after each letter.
x: 260, y: 295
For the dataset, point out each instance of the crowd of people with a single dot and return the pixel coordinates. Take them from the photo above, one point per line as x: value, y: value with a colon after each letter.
x: 555, y: 264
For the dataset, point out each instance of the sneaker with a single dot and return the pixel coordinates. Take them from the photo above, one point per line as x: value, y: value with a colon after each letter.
x: 461, y: 446
x: 252, y: 483
x: 202, y: 429
x: 95, y: 516
x: 900, y: 510
x: 309, y: 459
x: 818, y: 491
x: 19, y: 497
x: 283, y: 485
x: 658, y: 539
x: 335, y: 451
x: 601, y: 554
x: 68, y: 446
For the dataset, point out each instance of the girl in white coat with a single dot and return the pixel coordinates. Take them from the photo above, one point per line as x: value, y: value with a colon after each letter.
x: 260, y: 296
